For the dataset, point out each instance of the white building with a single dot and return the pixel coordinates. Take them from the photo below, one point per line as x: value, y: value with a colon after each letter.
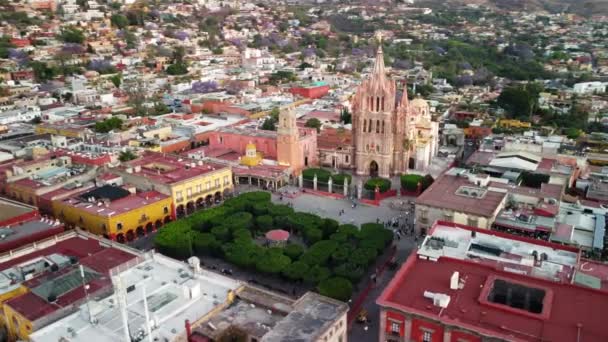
x: 174, y: 292
x: 590, y: 88
x: 19, y: 115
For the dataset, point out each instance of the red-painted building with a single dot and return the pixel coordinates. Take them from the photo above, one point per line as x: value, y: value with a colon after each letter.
x: 22, y: 75
x: 21, y: 42
x: 469, y: 284
x: 21, y: 224
x: 311, y: 92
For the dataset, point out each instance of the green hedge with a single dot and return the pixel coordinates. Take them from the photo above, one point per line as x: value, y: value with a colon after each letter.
x: 332, y: 251
x: 410, y: 182
x: 323, y: 176
x: 383, y: 184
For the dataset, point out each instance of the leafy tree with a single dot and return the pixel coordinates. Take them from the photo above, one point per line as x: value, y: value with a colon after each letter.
x: 205, y: 243
x: 345, y: 116
x: 410, y: 181
x: 120, y: 21
x: 221, y: 233
x: 337, y: 287
x: 314, y: 123
x: 520, y: 102
x: 43, y: 72
x: 273, y: 261
x: 177, y: 69
x: 264, y: 223
x: 71, y: 34
x: 316, y: 274
x: 293, y: 251
x: 116, y: 80
x: 270, y: 123
x: 297, y: 270
x: 242, y: 254
x: 363, y: 256
x: 127, y: 155
x: 108, y: 124
x: 280, y: 76
x: 319, y: 253
x: 349, y: 270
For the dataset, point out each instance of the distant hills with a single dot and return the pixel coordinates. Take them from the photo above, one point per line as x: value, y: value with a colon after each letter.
x: 581, y: 7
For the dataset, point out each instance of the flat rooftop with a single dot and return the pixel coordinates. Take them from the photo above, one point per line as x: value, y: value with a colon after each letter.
x: 501, y: 251
x: 11, y: 209
x: 448, y: 192
x: 116, y: 207
x: 566, y: 311
x: 312, y: 316
x: 173, y: 292
x: 50, y: 270
x: 168, y: 169
x: 254, y: 310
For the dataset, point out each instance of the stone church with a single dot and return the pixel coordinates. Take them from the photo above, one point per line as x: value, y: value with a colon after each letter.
x: 390, y: 134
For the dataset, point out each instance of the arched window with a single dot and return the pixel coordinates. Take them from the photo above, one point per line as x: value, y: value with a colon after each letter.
x: 383, y: 126
x: 378, y: 148
x: 369, y: 128
x: 377, y: 126
x: 364, y: 126
x: 377, y: 104
x: 382, y: 105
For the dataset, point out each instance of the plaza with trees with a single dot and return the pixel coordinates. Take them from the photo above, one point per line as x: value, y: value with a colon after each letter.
x: 321, y: 253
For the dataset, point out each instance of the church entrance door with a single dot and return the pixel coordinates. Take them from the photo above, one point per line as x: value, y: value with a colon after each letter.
x: 373, y: 169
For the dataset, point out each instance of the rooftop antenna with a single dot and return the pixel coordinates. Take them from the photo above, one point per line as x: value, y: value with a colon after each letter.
x: 86, y: 292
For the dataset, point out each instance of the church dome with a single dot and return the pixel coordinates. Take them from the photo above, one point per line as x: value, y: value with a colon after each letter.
x: 420, y: 106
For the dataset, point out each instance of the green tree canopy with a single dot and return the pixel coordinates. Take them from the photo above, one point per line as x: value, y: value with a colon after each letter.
x: 314, y: 123
x: 337, y: 287
x: 119, y: 21
x: 72, y: 34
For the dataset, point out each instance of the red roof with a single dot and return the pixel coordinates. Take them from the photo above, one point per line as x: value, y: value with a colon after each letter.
x: 569, y: 307
x: 176, y: 170
x: 90, y: 253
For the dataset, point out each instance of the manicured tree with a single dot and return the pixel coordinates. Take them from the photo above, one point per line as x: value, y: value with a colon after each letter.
x: 276, y: 210
x: 221, y: 233
x: 206, y: 243
x: 316, y: 274
x: 319, y: 253
x: 339, y: 237
x: 273, y: 261
x: 337, y: 287
x: 350, y: 270
x: 329, y: 227
x: 175, y: 239
x: 349, y: 229
x: 410, y: 182
x: 296, y: 270
x: 382, y: 184
x: 293, y: 251
x: 313, y: 235
x: 238, y: 220
x: 363, y: 256
x: 427, y: 181
x: 242, y: 235
x: 242, y: 254
x: 260, y: 209
x: 341, y: 254
x: 264, y: 223
x: 322, y: 175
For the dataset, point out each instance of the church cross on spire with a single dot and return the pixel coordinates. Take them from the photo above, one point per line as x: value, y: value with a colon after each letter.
x: 379, y: 70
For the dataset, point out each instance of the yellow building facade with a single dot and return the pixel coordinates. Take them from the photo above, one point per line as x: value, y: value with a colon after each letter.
x: 191, y: 184
x: 14, y: 324
x: 511, y: 123
x: 115, y: 221
x: 201, y: 190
